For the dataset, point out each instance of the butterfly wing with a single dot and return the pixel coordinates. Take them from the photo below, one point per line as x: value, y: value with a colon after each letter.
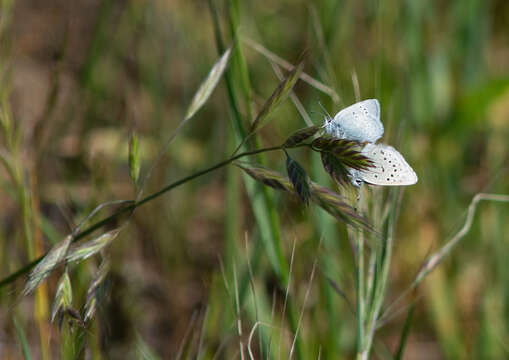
x: 390, y: 168
x: 360, y: 121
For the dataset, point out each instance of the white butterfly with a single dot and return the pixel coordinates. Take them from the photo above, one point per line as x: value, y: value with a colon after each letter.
x: 360, y: 122
x: 389, y: 168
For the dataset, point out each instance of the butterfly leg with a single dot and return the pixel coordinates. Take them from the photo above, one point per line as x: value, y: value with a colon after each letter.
x: 355, y: 178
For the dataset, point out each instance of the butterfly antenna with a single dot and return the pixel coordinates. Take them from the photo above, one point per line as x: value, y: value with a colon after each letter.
x: 325, y: 112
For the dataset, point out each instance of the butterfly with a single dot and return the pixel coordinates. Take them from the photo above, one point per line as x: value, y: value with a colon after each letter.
x: 361, y: 122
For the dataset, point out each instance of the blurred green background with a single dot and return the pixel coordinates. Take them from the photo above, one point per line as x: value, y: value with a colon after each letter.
x: 79, y: 76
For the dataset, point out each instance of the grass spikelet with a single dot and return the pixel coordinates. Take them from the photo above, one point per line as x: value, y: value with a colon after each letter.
x: 335, y: 168
x: 209, y: 84
x: 328, y: 200
x: 352, y: 157
x: 338, y: 155
x: 268, y: 177
x: 277, y: 97
x: 82, y: 252
x: 63, y: 296
x: 54, y: 257
x: 334, y: 204
x: 300, y: 135
x: 94, y: 292
x: 299, y: 179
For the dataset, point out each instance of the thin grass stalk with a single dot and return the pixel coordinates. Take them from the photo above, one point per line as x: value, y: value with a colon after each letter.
x: 322, y: 46
x: 253, y: 289
x: 377, y: 247
x: 239, y: 128
x: 134, y: 205
x: 183, y: 348
x: 306, y: 296
x: 237, y: 309
x: 298, y: 104
x: 381, y: 285
x: 361, y: 301
x: 263, y: 309
x: 434, y: 260
x: 286, y: 65
x: 360, y: 293
x: 328, y: 227
x: 201, y: 339
x: 371, y: 275
x: 287, y: 295
x: 404, y: 333
x: 232, y: 220
x: 41, y: 295
x: 26, y: 194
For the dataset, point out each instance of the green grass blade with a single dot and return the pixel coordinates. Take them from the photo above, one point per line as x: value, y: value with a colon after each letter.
x: 143, y: 351
x: 405, y: 332
x: 22, y: 339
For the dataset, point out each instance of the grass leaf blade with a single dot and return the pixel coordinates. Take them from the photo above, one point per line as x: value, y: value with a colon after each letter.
x: 134, y: 158
x: 405, y: 332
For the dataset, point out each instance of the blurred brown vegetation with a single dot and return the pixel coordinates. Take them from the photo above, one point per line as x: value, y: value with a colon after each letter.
x: 80, y: 75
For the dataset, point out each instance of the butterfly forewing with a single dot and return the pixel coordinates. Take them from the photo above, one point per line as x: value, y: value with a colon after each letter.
x: 360, y: 122
x: 389, y: 167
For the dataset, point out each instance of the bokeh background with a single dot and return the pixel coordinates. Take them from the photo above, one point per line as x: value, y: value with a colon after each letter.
x: 79, y: 76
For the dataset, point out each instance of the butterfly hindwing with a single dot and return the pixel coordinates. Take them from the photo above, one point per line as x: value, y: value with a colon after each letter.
x: 389, y: 167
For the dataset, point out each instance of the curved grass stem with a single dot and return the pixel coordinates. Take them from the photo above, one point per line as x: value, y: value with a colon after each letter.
x: 135, y: 204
